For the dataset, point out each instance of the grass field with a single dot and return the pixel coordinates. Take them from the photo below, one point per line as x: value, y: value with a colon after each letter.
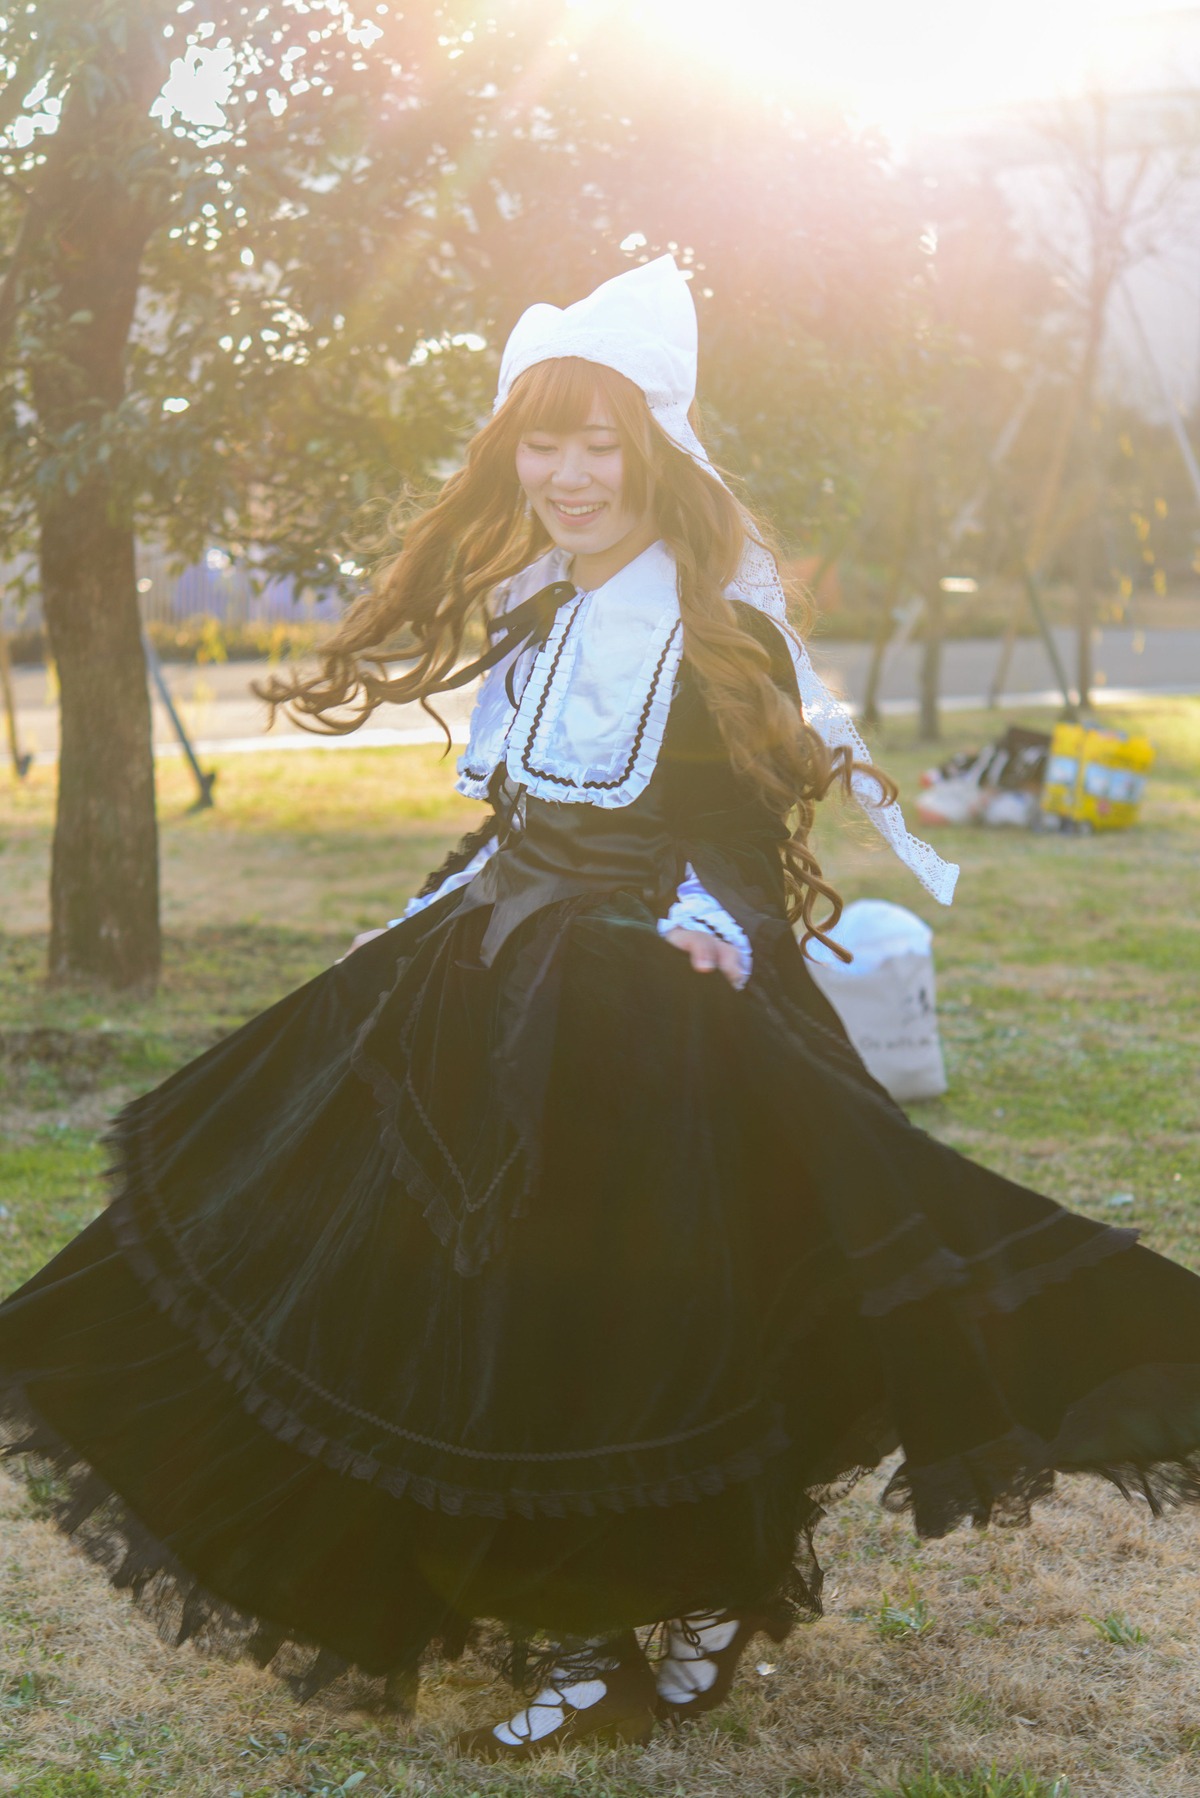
x: 1012, y: 1664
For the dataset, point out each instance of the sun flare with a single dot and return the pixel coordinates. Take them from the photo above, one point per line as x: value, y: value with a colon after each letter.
x: 901, y: 63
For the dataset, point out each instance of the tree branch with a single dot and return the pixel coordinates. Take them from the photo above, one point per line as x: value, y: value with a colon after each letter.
x: 10, y: 287
x: 25, y: 76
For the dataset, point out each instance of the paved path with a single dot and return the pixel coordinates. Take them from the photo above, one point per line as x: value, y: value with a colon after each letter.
x: 222, y: 714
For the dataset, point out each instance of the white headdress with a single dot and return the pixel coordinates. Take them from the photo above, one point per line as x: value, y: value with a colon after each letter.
x: 643, y: 324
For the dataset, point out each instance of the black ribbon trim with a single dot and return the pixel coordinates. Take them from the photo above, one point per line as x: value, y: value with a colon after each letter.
x: 529, y: 622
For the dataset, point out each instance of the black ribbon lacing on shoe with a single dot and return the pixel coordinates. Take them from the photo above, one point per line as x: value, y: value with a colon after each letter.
x: 662, y: 1638
x: 531, y: 1670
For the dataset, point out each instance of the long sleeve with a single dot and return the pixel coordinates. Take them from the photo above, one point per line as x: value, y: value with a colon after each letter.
x: 696, y: 909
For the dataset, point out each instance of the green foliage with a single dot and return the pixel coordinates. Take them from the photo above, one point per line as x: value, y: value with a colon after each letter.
x: 1115, y: 1628
x: 21, y: 1691
x: 896, y: 1622
x: 77, y: 1782
x: 320, y: 1786
x: 45, y: 1490
x: 328, y: 265
x: 255, y: 325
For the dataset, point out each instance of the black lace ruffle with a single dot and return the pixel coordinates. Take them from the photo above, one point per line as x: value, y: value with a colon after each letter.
x: 177, y: 1604
x: 1000, y: 1481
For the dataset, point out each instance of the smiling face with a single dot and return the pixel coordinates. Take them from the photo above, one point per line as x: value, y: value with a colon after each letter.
x: 575, y: 482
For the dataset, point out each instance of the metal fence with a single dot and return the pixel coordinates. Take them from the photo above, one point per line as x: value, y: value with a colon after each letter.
x: 214, y: 587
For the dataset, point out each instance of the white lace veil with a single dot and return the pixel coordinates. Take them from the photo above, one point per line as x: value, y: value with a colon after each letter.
x: 643, y: 324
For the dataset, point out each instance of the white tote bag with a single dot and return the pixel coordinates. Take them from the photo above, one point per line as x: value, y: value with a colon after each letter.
x: 885, y: 997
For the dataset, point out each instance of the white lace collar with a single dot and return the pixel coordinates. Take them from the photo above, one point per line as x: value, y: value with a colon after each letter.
x: 593, y: 701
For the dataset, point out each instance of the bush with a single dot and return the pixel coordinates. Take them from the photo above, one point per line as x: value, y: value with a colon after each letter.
x: 201, y: 639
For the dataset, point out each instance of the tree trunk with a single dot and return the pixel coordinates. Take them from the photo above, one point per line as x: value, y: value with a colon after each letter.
x: 879, y: 646
x: 104, y: 869
x: 930, y: 726
x: 895, y: 586
x: 1085, y: 612
x: 92, y: 224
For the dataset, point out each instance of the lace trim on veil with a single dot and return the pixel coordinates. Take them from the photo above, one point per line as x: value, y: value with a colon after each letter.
x: 759, y: 585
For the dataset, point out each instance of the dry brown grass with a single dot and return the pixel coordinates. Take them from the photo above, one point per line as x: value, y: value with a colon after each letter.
x: 1071, y: 1016
x: 1010, y: 1672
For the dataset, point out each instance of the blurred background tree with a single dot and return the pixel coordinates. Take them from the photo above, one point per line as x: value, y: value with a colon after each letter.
x: 238, y: 325
x: 260, y: 259
x: 1127, y: 174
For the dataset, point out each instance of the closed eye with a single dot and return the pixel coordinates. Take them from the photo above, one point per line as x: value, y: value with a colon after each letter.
x: 548, y: 449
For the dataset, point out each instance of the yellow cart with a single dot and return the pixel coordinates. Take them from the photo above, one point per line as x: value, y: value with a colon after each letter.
x: 1094, y: 778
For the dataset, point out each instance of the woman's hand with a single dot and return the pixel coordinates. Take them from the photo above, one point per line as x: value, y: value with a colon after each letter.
x: 707, y: 952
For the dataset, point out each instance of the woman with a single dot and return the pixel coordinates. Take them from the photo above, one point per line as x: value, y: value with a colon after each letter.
x: 552, y: 1258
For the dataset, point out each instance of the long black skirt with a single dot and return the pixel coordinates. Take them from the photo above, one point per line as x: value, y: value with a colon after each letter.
x: 562, y: 1293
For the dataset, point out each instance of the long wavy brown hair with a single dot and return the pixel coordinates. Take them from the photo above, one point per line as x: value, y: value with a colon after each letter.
x: 402, y: 639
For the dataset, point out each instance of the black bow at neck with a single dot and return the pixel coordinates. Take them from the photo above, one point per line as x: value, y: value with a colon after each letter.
x: 530, y: 622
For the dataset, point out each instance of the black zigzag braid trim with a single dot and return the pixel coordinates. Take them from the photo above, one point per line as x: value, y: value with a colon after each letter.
x: 561, y: 780
x: 545, y: 694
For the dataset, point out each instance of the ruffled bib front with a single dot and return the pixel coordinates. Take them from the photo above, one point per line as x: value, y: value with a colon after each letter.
x: 589, y: 723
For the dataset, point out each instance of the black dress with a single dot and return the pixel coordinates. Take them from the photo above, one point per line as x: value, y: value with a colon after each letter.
x: 512, y: 1270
